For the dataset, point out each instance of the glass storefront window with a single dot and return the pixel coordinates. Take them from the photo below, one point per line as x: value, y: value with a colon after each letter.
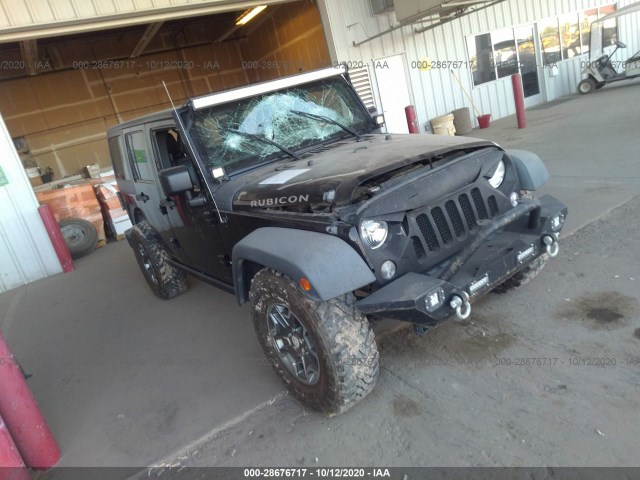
x: 570, y: 36
x: 550, y: 40
x: 504, y: 51
x: 528, y: 65
x: 481, y: 59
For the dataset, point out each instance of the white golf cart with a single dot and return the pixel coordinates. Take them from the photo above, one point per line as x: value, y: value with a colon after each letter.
x: 601, y: 71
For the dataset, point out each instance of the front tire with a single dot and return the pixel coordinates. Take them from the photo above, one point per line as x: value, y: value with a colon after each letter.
x: 325, y: 352
x: 586, y: 86
x: 164, y: 279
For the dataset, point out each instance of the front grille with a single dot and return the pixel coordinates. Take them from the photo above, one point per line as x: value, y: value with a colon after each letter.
x: 493, y: 206
x: 467, y: 211
x: 440, y: 230
x: 481, y: 208
x: 417, y: 245
x: 441, y: 223
x: 456, y: 219
x: 428, y: 233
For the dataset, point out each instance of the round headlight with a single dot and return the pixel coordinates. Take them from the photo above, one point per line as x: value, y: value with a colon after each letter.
x: 373, y: 233
x: 498, y: 176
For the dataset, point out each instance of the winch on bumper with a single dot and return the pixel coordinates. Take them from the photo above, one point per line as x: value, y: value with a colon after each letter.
x: 504, y: 245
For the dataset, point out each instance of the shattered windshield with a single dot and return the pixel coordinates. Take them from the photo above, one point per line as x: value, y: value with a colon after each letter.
x: 258, y: 129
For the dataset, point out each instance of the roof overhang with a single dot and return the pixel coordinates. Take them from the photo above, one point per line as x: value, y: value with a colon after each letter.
x: 430, y: 13
x: 33, y: 19
x: 412, y: 11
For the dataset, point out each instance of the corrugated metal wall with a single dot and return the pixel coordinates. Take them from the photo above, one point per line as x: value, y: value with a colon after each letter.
x: 434, y: 91
x: 26, y: 253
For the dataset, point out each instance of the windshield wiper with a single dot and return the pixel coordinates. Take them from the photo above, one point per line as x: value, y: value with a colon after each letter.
x: 253, y: 136
x: 322, y: 118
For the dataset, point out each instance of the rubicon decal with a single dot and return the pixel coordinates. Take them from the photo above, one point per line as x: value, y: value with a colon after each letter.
x: 272, y: 202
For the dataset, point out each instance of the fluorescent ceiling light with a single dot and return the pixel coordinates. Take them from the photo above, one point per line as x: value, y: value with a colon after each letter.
x: 247, y: 16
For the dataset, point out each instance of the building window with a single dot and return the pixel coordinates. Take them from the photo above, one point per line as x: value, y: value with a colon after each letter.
x: 511, y: 50
x: 481, y: 59
x: 381, y: 6
x: 550, y: 41
x: 528, y: 65
x: 570, y: 36
x: 504, y: 52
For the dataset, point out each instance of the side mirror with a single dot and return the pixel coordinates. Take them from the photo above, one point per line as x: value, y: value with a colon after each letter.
x: 175, y: 180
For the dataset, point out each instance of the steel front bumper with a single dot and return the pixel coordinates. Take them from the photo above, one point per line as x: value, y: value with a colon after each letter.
x: 502, y: 247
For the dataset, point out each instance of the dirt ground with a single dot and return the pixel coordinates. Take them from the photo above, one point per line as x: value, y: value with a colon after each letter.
x: 545, y: 375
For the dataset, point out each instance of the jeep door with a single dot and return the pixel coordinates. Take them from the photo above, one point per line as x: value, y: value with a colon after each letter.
x: 144, y: 175
x: 192, y: 215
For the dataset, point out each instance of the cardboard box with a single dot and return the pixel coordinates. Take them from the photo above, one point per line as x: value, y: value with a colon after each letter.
x: 113, y: 213
x: 120, y: 225
x: 97, y: 221
x: 32, y: 172
x: 107, y: 194
x: 92, y: 171
x: 78, y: 201
x: 112, y: 204
x: 106, y: 191
x: 35, y: 181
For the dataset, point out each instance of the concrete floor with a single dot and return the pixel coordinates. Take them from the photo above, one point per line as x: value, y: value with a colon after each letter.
x: 126, y: 379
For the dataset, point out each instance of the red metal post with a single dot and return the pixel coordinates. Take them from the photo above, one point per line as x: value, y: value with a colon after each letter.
x: 412, y: 119
x: 22, y: 416
x: 56, y: 237
x: 11, y: 464
x: 518, y: 96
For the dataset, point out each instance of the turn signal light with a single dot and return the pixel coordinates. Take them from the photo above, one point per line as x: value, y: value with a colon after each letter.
x: 305, y: 284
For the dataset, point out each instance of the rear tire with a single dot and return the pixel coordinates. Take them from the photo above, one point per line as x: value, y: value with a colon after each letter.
x: 524, y: 276
x: 80, y: 236
x: 325, y: 352
x: 164, y: 279
x: 586, y: 86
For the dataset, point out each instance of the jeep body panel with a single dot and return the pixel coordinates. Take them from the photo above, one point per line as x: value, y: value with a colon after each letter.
x: 299, y: 210
x: 302, y: 254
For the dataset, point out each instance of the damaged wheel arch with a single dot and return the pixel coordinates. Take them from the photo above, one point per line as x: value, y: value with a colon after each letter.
x: 331, y: 266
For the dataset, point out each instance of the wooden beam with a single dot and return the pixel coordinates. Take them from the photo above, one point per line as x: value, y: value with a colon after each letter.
x: 147, y: 36
x: 29, y: 50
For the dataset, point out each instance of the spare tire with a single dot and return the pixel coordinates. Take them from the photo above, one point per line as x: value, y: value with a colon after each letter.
x: 80, y: 236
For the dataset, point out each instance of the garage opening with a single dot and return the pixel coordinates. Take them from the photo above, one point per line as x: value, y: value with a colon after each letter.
x: 60, y: 94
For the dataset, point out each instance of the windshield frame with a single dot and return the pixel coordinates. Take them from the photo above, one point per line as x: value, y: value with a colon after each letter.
x: 366, y: 125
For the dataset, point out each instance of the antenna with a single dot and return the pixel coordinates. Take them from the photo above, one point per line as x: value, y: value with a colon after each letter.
x: 190, y: 145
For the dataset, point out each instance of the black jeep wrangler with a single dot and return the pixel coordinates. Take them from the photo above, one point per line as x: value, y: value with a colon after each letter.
x: 287, y: 195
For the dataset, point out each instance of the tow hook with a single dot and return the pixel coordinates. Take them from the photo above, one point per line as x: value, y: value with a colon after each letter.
x: 460, y: 302
x: 551, y: 244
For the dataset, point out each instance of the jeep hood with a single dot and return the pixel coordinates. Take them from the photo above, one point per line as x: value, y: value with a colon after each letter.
x: 331, y: 174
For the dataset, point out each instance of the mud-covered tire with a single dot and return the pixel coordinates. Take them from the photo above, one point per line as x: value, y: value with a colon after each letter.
x: 524, y: 276
x: 164, y: 279
x: 341, y: 338
x: 80, y: 236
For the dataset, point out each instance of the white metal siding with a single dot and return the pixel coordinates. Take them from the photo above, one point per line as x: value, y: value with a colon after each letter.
x: 26, y: 253
x: 435, y: 92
